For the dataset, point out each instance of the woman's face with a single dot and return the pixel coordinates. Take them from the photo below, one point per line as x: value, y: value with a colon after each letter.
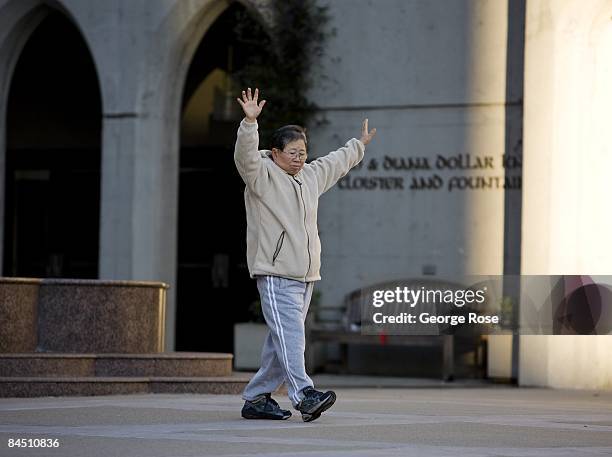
x: 292, y: 157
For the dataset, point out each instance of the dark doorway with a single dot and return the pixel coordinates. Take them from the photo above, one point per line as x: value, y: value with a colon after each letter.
x: 214, y: 290
x: 53, y: 157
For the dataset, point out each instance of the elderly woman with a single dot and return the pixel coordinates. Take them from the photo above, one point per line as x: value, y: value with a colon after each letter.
x: 284, y: 251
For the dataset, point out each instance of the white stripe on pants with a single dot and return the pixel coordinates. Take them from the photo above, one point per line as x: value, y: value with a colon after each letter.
x: 284, y: 303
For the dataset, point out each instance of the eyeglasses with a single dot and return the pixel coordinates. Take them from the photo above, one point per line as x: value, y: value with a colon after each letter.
x: 296, y: 153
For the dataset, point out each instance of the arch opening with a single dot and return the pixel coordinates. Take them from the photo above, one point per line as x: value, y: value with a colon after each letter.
x: 53, y: 141
x: 213, y: 284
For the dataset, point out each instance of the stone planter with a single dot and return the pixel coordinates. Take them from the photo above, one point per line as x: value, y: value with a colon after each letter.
x: 81, y: 316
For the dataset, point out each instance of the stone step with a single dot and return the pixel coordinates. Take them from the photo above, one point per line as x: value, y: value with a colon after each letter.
x: 14, y: 386
x: 167, y: 364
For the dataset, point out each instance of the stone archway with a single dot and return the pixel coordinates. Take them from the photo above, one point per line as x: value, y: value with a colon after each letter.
x: 52, y: 146
x: 213, y: 285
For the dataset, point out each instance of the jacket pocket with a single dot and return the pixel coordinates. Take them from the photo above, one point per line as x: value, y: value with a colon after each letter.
x: 279, y: 245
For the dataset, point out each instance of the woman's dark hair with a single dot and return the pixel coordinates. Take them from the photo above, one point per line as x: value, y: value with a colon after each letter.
x: 287, y: 134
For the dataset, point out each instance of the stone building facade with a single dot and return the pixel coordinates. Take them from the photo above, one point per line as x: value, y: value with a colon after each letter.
x: 490, y: 156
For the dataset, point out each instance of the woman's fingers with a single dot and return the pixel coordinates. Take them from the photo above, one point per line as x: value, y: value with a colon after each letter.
x: 248, y: 96
x: 249, y: 102
x: 371, y: 134
x: 366, y: 136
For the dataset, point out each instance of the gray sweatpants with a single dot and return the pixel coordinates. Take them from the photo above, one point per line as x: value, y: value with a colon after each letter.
x: 284, y: 303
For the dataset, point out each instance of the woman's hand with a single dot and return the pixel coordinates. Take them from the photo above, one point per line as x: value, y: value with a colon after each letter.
x: 249, y: 105
x: 365, y: 136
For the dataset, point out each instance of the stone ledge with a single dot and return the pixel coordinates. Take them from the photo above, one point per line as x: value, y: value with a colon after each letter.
x: 59, y: 365
x: 128, y: 379
x: 83, y: 282
x: 89, y: 386
x: 160, y: 355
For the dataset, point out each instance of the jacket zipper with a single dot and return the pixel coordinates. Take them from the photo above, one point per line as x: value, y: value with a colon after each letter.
x: 279, y: 245
x: 305, y: 229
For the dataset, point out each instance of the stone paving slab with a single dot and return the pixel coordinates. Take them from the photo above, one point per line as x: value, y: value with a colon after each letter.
x: 365, y: 422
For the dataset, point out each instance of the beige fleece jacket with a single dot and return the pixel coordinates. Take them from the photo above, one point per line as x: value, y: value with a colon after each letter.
x: 282, y: 235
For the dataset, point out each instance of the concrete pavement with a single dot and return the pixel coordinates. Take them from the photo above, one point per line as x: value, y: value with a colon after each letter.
x: 474, y: 421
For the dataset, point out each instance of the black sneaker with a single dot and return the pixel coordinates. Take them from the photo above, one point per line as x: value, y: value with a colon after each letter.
x: 264, y: 407
x: 314, y: 403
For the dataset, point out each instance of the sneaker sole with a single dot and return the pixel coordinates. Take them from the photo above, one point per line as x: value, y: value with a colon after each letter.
x: 309, y: 417
x: 265, y: 416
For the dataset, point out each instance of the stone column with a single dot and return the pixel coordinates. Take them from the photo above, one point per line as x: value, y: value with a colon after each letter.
x: 139, y: 203
x: 567, y: 160
x: 143, y: 53
x: 139, y: 182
